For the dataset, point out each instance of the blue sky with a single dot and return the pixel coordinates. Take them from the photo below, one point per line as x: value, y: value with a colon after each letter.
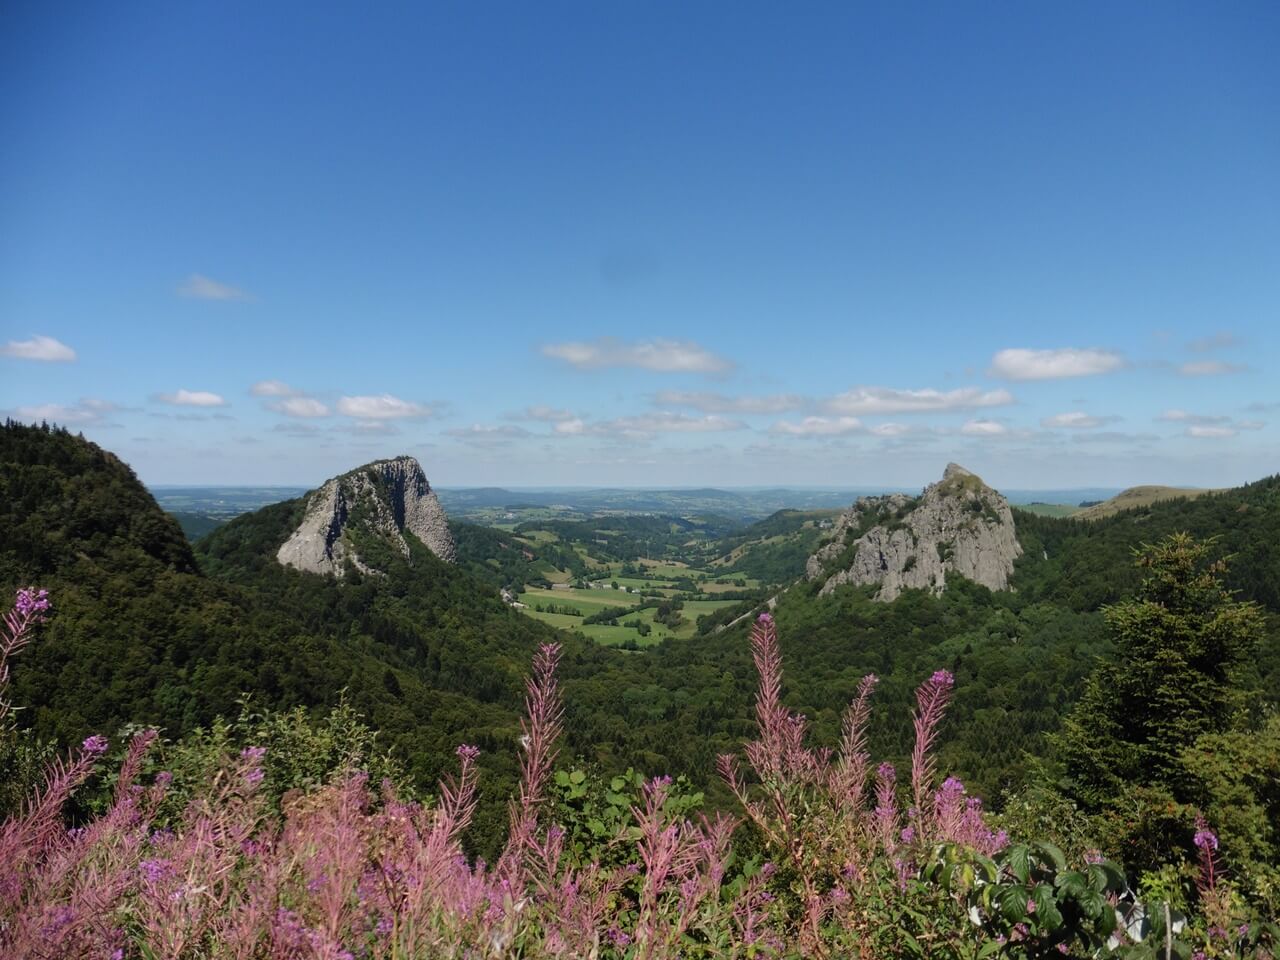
x: 647, y: 244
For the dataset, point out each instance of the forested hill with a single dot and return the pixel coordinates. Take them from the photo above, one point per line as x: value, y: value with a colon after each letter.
x: 140, y: 634
x: 1085, y: 564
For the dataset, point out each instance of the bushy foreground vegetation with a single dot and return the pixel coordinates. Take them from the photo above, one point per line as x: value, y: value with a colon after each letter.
x: 828, y: 855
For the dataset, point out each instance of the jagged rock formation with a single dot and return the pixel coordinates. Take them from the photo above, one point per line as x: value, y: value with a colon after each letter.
x: 384, y: 499
x: 958, y: 525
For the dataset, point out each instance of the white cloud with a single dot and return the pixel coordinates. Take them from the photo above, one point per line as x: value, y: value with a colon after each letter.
x: 1210, y: 368
x: 818, y: 427
x: 273, y: 388
x: 984, y: 428
x: 87, y: 410
x: 383, y: 407
x: 647, y: 424
x: 38, y: 347
x: 669, y: 423
x: 719, y: 403
x: 1115, y: 436
x: 299, y: 407
x: 544, y: 414
x: 1196, y: 419
x: 890, y: 429
x: 192, y: 398
x: 368, y: 428
x: 202, y: 288
x: 884, y: 400
x: 666, y: 356
x: 1203, y: 432
x: 1250, y: 424
x: 1021, y: 364
x: 1076, y: 420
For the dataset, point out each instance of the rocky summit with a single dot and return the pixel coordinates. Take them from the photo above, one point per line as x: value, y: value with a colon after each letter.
x: 386, y: 499
x: 957, y: 525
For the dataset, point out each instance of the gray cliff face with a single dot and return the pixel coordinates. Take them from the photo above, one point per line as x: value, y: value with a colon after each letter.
x: 958, y: 525
x: 385, y: 498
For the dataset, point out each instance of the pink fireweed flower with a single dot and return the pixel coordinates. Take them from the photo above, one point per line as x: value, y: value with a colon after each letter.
x: 96, y: 745
x: 467, y: 752
x: 253, y: 753
x: 765, y: 618
x: 30, y: 602
x: 1206, y: 839
x: 932, y: 698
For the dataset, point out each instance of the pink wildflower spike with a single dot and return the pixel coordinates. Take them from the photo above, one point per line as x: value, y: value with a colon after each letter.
x: 95, y: 745
x: 542, y: 725
x: 1207, y: 842
x: 29, y: 606
x: 932, y: 698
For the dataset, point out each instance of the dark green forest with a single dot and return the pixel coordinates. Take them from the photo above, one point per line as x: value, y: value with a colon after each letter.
x: 148, y: 630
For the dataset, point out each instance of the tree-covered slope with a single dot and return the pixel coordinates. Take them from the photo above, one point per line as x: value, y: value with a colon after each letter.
x: 139, y: 633
x: 1086, y: 564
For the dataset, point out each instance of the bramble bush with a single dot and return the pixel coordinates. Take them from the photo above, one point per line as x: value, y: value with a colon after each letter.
x: 832, y: 857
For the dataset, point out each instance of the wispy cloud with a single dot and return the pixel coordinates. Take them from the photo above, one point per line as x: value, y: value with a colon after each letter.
x: 671, y: 423
x: 864, y: 401
x: 543, y: 414
x: 368, y: 428
x: 1209, y: 426
x: 1076, y: 420
x: 1196, y: 419
x: 1210, y: 368
x: 666, y: 356
x: 299, y: 406
x: 646, y: 425
x: 984, y: 428
x: 86, y: 410
x: 296, y: 429
x: 1210, y: 433
x: 42, y: 348
x: 719, y: 403
x: 273, y: 388
x: 200, y: 287
x: 1022, y: 364
x: 489, y: 435
x: 382, y: 407
x: 192, y: 398
x: 818, y: 427
x: 1216, y: 341
x: 1115, y: 436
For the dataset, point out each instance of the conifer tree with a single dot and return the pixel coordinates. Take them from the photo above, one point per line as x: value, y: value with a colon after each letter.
x: 1178, y: 644
x: 1171, y: 683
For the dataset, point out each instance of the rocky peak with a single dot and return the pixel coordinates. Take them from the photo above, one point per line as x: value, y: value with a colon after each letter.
x: 957, y: 525
x: 386, y: 498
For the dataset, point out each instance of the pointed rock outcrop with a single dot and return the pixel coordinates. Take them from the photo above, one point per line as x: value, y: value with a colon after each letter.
x: 957, y: 525
x: 386, y: 499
